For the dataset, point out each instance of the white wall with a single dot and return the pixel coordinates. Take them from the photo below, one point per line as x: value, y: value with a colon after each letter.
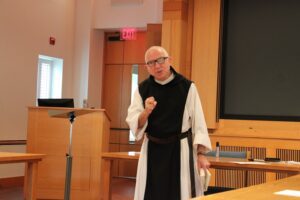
x: 25, y: 28
x: 95, y: 68
x: 110, y: 16
x: 15, y: 169
x: 78, y: 26
x: 83, y: 15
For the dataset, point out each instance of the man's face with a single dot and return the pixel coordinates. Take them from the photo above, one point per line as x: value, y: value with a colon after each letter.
x: 158, y: 65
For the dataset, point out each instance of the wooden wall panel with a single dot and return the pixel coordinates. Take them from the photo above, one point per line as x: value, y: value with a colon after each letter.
x: 174, y: 33
x: 134, y: 50
x: 126, y: 94
x: 121, y: 143
x: 119, y: 137
x: 128, y: 168
x: 205, y: 56
x: 153, y: 37
x: 113, y: 50
x: 260, y: 148
x: 259, y: 129
x: 115, y: 167
x: 189, y: 39
x: 262, y: 138
x: 287, y: 155
x: 113, y: 77
x: 230, y: 178
x: 205, y: 75
x: 253, y: 177
x: 114, y: 136
x: 166, y: 36
x: 117, y: 89
x: 124, y: 137
x: 143, y: 73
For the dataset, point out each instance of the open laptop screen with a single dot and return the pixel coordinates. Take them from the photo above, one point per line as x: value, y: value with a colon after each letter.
x: 66, y: 102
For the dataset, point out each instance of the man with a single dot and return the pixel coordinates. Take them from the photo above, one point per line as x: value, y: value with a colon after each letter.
x: 166, y: 109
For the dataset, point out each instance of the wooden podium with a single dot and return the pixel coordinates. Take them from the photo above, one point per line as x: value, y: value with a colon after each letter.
x: 50, y: 135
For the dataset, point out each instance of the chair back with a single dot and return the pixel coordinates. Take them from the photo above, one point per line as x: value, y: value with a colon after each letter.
x: 225, y: 172
x: 229, y: 154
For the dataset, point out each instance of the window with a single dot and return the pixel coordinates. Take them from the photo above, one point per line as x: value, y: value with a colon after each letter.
x: 49, y: 83
x: 134, y: 86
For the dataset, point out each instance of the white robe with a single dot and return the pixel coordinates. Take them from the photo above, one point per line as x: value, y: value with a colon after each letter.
x: 193, y: 117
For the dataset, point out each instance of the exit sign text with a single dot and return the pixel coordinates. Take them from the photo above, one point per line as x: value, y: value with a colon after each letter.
x: 128, y: 34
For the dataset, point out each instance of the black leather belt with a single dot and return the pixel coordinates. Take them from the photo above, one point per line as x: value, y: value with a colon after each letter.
x: 170, y: 139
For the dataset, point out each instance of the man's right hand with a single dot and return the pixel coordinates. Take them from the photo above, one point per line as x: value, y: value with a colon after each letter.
x: 150, y: 104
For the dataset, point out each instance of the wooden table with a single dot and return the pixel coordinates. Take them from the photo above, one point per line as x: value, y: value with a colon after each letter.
x: 107, y: 161
x: 217, y: 163
x: 244, y: 164
x: 31, y: 169
x: 259, y: 192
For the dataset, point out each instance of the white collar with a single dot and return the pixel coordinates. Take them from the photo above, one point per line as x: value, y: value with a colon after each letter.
x: 171, y: 77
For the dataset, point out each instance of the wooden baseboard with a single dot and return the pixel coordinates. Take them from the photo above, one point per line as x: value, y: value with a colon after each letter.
x: 11, y: 182
x: 12, y: 142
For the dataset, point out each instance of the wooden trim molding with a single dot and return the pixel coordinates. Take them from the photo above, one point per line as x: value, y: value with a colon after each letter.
x: 258, y: 129
x: 174, y: 33
x: 175, y: 10
x: 11, y: 182
x: 13, y: 142
x: 205, y: 56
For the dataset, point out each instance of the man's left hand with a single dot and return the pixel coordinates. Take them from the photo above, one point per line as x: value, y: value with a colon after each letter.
x: 203, y: 162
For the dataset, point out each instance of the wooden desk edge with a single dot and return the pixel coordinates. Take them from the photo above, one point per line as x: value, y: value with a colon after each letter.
x: 120, y: 156
x: 9, y: 157
x: 260, y: 191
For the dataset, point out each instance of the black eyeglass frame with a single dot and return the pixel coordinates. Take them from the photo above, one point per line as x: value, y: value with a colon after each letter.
x: 160, y: 60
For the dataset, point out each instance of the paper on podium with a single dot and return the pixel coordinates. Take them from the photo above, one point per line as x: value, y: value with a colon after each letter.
x: 205, y: 178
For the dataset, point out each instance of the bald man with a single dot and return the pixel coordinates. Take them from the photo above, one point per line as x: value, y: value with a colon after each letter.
x: 166, y: 113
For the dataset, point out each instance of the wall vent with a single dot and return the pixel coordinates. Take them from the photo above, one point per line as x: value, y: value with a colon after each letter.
x: 241, y: 178
x: 287, y: 155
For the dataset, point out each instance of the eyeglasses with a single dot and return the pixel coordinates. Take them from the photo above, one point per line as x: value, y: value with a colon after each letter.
x: 160, y: 60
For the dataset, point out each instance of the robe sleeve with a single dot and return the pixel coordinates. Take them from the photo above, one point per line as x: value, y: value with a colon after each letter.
x: 134, y: 111
x: 199, y: 127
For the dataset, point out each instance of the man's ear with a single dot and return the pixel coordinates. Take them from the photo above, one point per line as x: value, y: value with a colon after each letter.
x: 146, y: 67
x: 170, y: 59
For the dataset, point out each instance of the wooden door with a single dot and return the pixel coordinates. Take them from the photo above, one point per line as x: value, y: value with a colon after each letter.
x: 113, y: 77
x: 120, y: 57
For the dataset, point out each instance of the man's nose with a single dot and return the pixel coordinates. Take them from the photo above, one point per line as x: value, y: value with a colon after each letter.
x: 156, y: 64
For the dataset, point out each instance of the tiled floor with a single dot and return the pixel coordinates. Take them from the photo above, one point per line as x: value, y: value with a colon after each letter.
x: 122, y: 189
x: 11, y: 193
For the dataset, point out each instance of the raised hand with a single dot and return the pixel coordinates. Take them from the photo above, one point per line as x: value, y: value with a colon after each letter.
x: 150, y: 104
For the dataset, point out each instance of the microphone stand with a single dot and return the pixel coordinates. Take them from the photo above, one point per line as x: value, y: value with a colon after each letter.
x: 71, y: 115
x: 69, y: 159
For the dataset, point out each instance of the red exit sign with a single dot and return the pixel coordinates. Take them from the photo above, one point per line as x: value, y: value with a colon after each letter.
x: 128, y: 34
